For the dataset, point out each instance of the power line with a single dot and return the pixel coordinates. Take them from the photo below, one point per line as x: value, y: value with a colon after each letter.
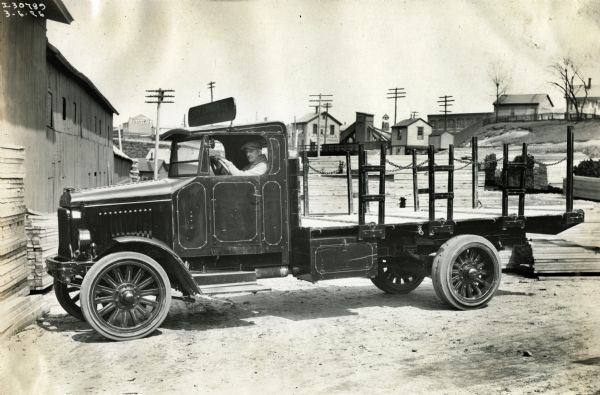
x: 211, y: 86
x: 396, y: 93
x: 158, y: 96
x: 445, y: 102
x: 317, y: 100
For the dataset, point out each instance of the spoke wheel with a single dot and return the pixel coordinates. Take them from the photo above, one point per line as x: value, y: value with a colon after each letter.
x: 394, y: 278
x: 68, y: 296
x: 125, y: 296
x: 466, y: 272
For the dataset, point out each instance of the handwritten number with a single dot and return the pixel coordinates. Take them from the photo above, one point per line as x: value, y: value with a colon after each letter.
x: 43, y: 7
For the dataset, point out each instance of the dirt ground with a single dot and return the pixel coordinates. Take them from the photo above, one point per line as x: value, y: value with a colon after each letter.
x: 342, y: 336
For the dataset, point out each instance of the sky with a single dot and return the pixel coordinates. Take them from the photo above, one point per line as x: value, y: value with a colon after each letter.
x: 271, y: 55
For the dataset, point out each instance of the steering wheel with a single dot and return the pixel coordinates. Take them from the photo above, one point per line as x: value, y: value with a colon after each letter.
x: 216, y: 164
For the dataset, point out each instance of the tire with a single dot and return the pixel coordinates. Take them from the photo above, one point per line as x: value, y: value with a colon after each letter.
x: 466, y: 272
x: 394, y: 278
x: 117, y: 299
x: 68, y: 297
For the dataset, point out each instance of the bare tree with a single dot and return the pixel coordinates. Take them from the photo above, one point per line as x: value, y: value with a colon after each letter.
x: 571, y: 83
x: 501, y: 78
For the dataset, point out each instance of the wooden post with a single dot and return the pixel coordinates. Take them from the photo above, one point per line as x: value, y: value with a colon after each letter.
x: 381, y: 211
x: 349, y: 182
x: 431, y: 175
x: 505, y: 181
x: 569, y: 191
x: 362, y: 180
x: 474, y: 171
x: 415, y: 181
x: 450, y: 204
x: 523, y: 180
x: 305, y: 181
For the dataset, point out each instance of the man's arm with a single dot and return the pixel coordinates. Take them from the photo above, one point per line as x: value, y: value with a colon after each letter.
x: 257, y: 170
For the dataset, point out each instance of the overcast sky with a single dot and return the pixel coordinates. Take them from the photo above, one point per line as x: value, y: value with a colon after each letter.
x: 270, y: 55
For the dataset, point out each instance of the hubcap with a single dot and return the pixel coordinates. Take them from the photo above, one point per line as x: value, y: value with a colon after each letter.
x: 128, y: 295
x: 472, y: 274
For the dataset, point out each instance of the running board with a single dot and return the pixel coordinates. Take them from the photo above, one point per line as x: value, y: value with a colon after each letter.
x: 233, y: 288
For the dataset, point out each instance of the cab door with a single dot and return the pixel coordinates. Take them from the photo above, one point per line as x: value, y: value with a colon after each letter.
x: 236, y: 210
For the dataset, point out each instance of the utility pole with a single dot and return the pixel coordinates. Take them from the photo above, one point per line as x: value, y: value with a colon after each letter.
x: 327, y: 107
x: 211, y: 86
x: 396, y: 93
x: 319, y: 99
x: 158, y: 96
x: 445, y: 102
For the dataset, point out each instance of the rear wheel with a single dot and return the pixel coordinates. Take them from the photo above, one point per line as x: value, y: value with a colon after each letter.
x: 466, y: 272
x: 68, y: 296
x: 395, y: 278
x: 125, y: 296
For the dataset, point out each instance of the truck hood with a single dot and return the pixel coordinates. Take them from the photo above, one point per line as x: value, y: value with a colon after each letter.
x: 146, y: 190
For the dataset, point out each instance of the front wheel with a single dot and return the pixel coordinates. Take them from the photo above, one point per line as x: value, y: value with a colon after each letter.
x: 466, y: 272
x: 125, y: 296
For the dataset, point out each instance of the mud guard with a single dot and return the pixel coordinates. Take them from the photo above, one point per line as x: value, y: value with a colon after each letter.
x: 159, y: 251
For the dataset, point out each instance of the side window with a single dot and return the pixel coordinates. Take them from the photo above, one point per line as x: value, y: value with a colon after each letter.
x: 314, y: 129
x: 184, y: 158
x: 241, y: 155
x: 420, y: 133
x: 49, y: 110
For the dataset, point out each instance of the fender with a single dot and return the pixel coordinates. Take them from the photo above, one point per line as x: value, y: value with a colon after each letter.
x: 159, y: 251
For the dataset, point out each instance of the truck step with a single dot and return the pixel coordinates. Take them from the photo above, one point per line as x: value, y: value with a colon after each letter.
x: 223, y: 277
x: 217, y: 289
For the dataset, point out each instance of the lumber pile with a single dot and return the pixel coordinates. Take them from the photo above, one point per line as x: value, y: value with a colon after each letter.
x: 42, y: 242
x: 584, y: 187
x: 563, y: 257
x: 17, y: 307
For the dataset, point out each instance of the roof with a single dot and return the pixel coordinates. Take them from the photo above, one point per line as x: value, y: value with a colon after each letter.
x: 380, y: 134
x: 120, y: 154
x: 57, y: 11
x: 594, y: 91
x: 439, y: 133
x: 310, y: 116
x: 406, y: 122
x: 54, y: 55
x: 536, y: 98
x: 146, y: 165
x: 461, y: 114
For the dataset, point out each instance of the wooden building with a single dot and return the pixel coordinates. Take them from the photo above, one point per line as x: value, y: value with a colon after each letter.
x: 363, y: 131
x: 329, y: 129
x: 410, y: 134
x: 52, y: 110
x: 532, y: 107
x: 441, y: 139
x: 456, y: 123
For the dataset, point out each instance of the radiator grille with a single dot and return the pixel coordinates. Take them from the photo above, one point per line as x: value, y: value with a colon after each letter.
x: 134, y: 222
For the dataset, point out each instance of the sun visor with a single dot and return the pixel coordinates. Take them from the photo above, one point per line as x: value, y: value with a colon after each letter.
x: 215, y: 112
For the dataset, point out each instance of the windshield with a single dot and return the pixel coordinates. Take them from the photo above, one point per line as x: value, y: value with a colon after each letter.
x: 184, y: 158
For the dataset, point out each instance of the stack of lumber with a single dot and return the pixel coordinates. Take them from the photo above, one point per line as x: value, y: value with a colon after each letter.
x: 584, y: 187
x: 17, y: 308
x: 42, y: 242
x: 563, y: 257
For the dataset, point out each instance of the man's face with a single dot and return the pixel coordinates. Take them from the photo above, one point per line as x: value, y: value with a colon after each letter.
x: 252, y: 154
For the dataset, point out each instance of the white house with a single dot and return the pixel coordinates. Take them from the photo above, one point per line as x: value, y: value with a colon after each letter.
x: 441, y: 139
x: 523, y: 107
x: 410, y: 134
x: 329, y: 129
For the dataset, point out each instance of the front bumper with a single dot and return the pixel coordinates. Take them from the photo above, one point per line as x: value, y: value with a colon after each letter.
x: 64, y: 270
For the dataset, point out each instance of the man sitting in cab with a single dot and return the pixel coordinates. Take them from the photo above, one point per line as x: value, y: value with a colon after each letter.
x: 257, y: 161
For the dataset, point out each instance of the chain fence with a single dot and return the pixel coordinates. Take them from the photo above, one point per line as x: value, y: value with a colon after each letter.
x: 398, y: 168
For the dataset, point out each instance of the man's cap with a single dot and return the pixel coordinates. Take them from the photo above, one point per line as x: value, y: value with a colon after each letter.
x: 252, y: 145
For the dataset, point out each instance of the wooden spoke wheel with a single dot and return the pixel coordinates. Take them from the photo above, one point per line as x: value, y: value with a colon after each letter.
x: 395, y: 278
x: 68, y: 296
x: 466, y: 272
x: 125, y: 296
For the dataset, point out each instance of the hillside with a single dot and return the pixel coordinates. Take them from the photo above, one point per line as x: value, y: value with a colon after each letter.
x: 548, y: 134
